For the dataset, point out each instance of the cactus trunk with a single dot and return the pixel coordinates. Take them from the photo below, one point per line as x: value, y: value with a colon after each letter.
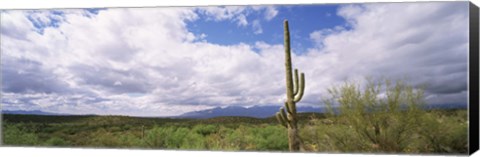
x: 294, y: 94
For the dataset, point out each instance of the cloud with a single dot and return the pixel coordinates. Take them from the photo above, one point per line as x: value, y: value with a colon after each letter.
x: 233, y: 13
x: 132, y: 64
x: 16, y: 24
x: 319, y: 36
x: 270, y: 13
x: 94, y: 56
x: 145, y: 62
x: 400, y: 40
x: 257, y: 27
x: 238, y: 14
x: 223, y: 13
x: 242, y: 20
x: 29, y: 77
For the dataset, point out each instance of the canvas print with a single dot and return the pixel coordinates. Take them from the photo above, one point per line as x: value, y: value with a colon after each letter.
x: 324, y: 78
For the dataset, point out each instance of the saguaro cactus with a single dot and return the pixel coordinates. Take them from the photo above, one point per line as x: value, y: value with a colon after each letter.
x: 288, y: 116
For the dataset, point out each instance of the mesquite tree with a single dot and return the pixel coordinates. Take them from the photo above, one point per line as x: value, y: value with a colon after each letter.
x: 288, y: 116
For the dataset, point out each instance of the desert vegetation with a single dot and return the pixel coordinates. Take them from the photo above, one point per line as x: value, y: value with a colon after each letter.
x: 439, y: 131
x: 386, y: 117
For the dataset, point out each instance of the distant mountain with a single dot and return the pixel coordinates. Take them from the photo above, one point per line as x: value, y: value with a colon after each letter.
x: 33, y: 112
x: 268, y: 111
x: 255, y: 111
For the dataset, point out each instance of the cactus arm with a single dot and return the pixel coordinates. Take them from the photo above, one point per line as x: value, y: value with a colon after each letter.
x: 283, y: 114
x: 288, y: 108
x: 280, y: 119
x: 292, y: 108
x: 299, y: 96
x: 295, y: 91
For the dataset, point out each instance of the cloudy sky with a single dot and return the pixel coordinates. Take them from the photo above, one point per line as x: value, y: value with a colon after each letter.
x: 168, y: 61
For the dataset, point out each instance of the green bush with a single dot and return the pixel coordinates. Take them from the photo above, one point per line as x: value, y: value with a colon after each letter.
x: 271, y: 138
x: 379, y: 124
x: 174, y: 138
x: 443, y: 134
x: 254, y: 137
x: 387, y: 117
x: 56, y: 141
x: 193, y: 141
x: 157, y: 137
x: 329, y: 138
x: 439, y: 131
x: 103, y: 138
x: 205, y: 129
x: 128, y: 141
x: 240, y: 139
x: 16, y: 135
x: 219, y: 141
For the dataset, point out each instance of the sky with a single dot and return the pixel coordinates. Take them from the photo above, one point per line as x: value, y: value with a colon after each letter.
x: 170, y: 60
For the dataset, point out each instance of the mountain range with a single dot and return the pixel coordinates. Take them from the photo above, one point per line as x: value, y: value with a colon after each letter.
x: 255, y: 111
x: 32, y: 112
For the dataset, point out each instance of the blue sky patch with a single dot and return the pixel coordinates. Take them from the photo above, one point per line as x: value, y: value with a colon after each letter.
x: 303, y: 20
x: 48, y: 21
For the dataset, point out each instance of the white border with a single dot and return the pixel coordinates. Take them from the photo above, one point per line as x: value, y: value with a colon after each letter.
x: 80, y: 152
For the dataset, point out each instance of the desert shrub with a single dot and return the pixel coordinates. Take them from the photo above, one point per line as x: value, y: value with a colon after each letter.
x: 193, y: 141
x: 322, y: 138
x: 69, y: 130
x: 381, y: 118
x: 49, y: 130
x: 270, y: 138
x: 443, y: 134
x: 103, y: 138
x: 126, y: 127
x: 205, y: 129
x: 16, y: 134
x: 157, y: 136
x: 254, y: 137
x: 240, y: 139
x: 129, y: 140
x: 114, y: 129
x: 176, y: 138
x: 219, y: 140
x: 171, y: 137
x: 56, y: 141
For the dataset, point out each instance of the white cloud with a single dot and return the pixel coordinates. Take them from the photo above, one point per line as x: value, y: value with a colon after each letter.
x: 239, y: 14
x: 109, y: 56
x: 428, y: 46
x: 257, y: 27
x: 233, y: 13
x: 319, y: 36
x: 270, y: 13
x: 223, y: 13
x: 352, y: 12
x: 16, y: 24
x: 98, y: 53
x: 242, y: 20
x: 124, y: 62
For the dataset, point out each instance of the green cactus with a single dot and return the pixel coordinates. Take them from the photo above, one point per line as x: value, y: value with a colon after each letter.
x: 294, y: 94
